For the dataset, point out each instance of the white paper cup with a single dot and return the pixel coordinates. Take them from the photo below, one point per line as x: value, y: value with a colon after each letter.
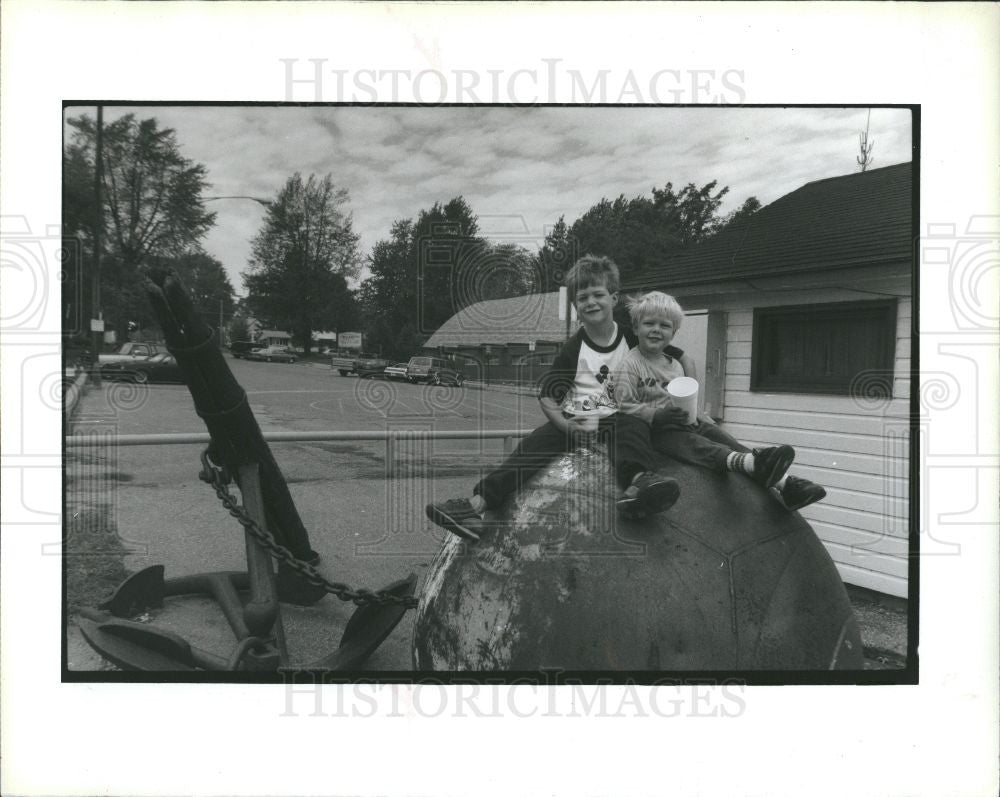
x: 684, y: 393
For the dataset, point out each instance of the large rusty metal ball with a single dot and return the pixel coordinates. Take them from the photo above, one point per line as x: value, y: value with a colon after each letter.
x: 725, y: 580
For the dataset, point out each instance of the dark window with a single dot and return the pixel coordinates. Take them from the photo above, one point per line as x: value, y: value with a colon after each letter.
x: 824, y: 348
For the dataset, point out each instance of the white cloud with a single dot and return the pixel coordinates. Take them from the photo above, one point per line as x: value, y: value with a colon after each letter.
x: 535, y: 163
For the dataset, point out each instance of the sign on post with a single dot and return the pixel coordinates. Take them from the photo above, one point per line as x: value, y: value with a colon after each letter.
x: 349, y: 340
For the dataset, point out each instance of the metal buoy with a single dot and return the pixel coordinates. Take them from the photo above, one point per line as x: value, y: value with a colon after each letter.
x: 725, y: 580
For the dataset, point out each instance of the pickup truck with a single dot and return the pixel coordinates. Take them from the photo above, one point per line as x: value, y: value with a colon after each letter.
x: 343, y: 361
x: 370, y: 367
x: 131, y: 351
x: 363, y: 364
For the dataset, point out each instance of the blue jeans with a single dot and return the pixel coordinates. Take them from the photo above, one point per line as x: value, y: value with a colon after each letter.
x: 705, y: 445
x: 628, y: 446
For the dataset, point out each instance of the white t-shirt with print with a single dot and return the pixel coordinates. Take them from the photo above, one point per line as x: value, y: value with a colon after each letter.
x: 597, y: 368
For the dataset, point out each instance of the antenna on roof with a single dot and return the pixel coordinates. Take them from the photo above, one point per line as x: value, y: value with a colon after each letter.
x: 865, y: 159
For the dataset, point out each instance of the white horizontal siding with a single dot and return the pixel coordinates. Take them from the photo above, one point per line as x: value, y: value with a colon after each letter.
x: 848, y: 442
x: 860, y: 576
x: 857, y: 449
x: 862, y: 543
x: 817, y: 420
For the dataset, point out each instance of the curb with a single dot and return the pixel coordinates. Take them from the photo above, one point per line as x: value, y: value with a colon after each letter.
x: 73, y: 392
x: 498, y: 388
x: 502, y: 388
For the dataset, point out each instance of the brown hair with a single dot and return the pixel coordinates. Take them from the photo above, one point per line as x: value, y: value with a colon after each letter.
x: 592, y: 270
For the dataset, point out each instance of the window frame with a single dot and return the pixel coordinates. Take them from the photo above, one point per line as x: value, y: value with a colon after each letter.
x: 765, y: 317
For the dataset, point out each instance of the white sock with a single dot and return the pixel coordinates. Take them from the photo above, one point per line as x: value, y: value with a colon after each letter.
x: 780, y: 484
x: 740, y: 462
x: 478, y: 503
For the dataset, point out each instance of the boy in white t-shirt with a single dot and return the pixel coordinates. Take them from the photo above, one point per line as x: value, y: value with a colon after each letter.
x: 578, y: 397
x: 642, y: 392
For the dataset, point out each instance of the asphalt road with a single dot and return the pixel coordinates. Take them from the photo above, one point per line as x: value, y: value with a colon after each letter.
x: 364, y: 512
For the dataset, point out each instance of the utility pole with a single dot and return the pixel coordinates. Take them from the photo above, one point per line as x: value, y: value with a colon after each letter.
x: 266, y: 203
x: 96, y: 316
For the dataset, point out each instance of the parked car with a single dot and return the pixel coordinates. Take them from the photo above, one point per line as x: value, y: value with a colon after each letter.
x: 241, y: 348
x: 370, y: 367
x: 396, y: 371
x: 433, y: 371
x: 343, y: 360
x: 272, y: 354
x: 346, y: 362
x: 130, y: 352
x: 160, y: 367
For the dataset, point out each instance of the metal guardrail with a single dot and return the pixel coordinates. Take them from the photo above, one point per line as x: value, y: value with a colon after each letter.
x: 95, y: 438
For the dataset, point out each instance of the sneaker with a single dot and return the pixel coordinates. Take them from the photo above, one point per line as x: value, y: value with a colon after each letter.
x: 770, y: 464
x: 457, y: 516
x: 649, y: 494
x: 797, y: 493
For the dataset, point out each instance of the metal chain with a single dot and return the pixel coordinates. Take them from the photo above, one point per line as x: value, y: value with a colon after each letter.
x: 212, y: 474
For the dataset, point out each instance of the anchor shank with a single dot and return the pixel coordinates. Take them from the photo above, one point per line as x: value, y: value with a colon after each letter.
x: 261, y: 611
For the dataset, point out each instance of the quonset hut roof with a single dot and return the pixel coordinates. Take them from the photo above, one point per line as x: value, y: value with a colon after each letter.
x: 856, y: 219
x: 520, y: 319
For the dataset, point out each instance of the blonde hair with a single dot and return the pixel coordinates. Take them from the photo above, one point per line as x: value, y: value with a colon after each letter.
x: 656, y: 302
x: 592, y: 270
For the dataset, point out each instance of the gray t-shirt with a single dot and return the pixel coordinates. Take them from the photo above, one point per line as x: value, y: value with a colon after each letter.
x: 641, y: 387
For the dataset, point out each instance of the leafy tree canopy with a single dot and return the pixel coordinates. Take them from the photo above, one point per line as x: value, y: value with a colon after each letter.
x: 430, y: 268
x: 638, y: 233
x: 301, y: 260
x: 151, y: 209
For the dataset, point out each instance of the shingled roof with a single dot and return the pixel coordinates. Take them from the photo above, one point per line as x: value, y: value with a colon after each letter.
x: 520, y: 319
x: 854, y: 220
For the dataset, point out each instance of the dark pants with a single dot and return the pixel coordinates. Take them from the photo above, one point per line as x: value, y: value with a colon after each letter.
x: 707, y: 446
x: 628, y: 445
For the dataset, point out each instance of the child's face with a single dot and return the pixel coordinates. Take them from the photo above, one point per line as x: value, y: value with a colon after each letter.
x: 595, y: 305
x: 655, y: 331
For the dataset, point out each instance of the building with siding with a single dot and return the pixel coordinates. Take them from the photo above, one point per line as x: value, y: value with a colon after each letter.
x: 510, y: 339
x: 808, y: 343
x: 274, y: 337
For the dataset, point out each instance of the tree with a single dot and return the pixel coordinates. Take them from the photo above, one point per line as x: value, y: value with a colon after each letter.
x: 302, y: 257
x: 388, y: 297
x: 638, y: 233
x: 207, y: 284
x: 503, y: 270
x: 556, y: 255
x: 450, y: 260
x: 239, y: 328
x: 152, y: 206
x: 430, y: 268
x: 745, y: 211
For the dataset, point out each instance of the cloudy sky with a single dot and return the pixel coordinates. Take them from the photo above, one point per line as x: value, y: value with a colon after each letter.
x: 520, y: 169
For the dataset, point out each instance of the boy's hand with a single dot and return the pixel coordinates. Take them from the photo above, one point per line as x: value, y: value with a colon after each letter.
x: 671, y: 418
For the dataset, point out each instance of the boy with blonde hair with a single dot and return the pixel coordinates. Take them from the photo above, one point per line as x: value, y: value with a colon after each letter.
x: 578, y: 398
x: 642, y: 392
